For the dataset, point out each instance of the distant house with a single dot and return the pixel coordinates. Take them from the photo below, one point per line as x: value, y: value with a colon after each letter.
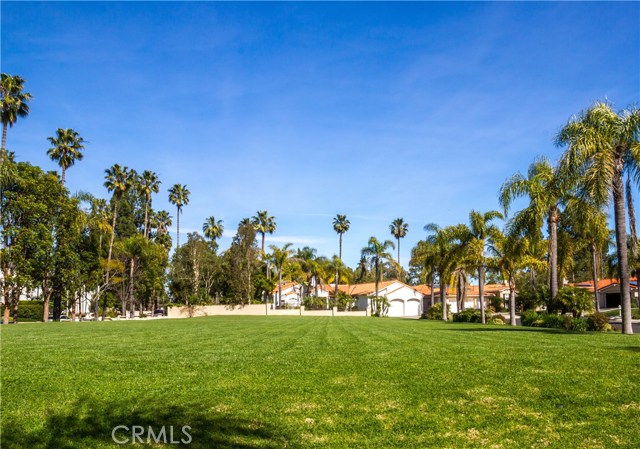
x: 404, y: 300
x: 472, y: 300
x: 609, y: 291
x: 293, y: 293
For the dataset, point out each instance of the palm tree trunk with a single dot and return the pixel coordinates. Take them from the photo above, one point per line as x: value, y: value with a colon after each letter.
x: 113, y: 236
x: 262, y: 246
x: 443, y: 299
x: 62, y: 176
x: 4, y: 144
x: 178, y: 230
x: 481, y: 293
x: 433, y: 293
x: 399, y: 267
x: 280, y: 287
x: 512, y: 300
x: 131, y: 268
x: 594, y: 272
x: 635, y: 249
x: 553, y: 252
x: 146, y: 218
x: 621, y: 246
x: 340, y: 257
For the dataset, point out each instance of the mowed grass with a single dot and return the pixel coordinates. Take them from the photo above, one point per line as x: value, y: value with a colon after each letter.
x: 271, y: 382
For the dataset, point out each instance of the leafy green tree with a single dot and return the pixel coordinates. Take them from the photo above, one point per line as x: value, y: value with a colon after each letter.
x: 423, y: 259
x: 147, y: 184
x: 66, y: 149
x: 263, y: 224
x: 241, y: 262
x: 279, y: 257
x: 376, y: 253
x: 601, y: 146
x: 575, y: 300
x: 179, y: 197
x: 15, y: 104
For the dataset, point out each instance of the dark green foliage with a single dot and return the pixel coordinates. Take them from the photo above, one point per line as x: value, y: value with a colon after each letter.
x: 598, y: 321
x: 343, y: 301
x: 575, y: 300
x: 241, y: 266
x: 435, y: 312
x: 468, y: 316
x: 27, y: 311
x: 529, y: 317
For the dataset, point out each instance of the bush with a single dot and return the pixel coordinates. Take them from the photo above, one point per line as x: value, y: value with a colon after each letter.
x: 553, y: 321
x: 467, y: 316
x: 635, y: 314
x: 598, y: 321
x: 435, y: 313
x: 529, y: 317
x: 579, y: 324
x: 496, y: 319
x: 28, y: 311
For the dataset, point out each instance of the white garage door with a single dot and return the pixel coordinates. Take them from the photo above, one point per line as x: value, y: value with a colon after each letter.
x: 396, y: 307
x: 412, y: 308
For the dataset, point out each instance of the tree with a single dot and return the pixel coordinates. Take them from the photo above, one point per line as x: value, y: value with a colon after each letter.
x: 264, y: 224
x: 117, y: 180
x: 479, y: 230
x: 423, y: 258
x: 241, y: 262
x: 341, y: 226
x: 601, y: 146
x: 376, y: 252
x: 545, y: 187
x: 213, y: 229
x: 66, y: 150
x: 179, y: 197
x: 399, y: 230
x: 15, y: 103
x: 279, y: 257
x: 148, y: 183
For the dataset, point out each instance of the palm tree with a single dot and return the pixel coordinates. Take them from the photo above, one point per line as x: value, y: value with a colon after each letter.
x: 424, y: 255
x: 399, y: 230
x: 510, y: 251
x: 479, y: 230
x: 117, y: 180
x: 280, y: 257
x: 212, y: 229
x: 601, y: 146
x: 546, y: 187
x: 163, y: 221
x: 264, y: 224
x: 66, y: 150
x: 178, y: 196
x: 447, y: 252
x: 148, y: 183
x: 341, y: 226
x: 377, y: 252
x: 14, y: 105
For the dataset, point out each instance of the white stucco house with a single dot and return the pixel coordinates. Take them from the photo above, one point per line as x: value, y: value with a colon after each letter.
x: 404, y: 300
x: 609, y: 291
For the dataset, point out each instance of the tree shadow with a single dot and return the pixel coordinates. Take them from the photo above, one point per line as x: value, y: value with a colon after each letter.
x: 89, y: 423
x: 506, y: 328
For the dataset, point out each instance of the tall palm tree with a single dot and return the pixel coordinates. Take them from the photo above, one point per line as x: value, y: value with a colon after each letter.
x: 213, y: 229
x: 280, y: 257
x: 66, y: 150
x: 545, y: 186
x: 601, y: 146
x: 148, y: 183
x: 264, y: 224
x: 377, y: 252
x: 163, y: 221
x: 424, y: 255
x: 117, y: 180
x: 179, y: 197
x: 478, y: 231
x: 14, y: 105
x: 341, y: 226
x: 399, y: 230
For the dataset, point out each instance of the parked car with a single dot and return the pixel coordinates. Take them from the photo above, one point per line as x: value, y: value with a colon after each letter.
x: 158, y: 312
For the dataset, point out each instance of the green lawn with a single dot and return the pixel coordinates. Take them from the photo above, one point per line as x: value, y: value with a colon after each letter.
x: 245, y: 382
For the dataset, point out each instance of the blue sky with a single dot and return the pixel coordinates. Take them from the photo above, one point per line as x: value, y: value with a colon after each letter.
x: 374, y: 110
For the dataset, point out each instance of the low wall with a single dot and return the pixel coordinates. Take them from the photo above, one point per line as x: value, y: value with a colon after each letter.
x: 253, y: 309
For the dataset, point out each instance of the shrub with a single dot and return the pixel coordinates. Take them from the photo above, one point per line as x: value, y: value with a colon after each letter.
x: 579, y: 324
x: 575, y: 300
x: 496, y: 319
x: 635, y: 314
x: 553, y: 321
x: 435, y: 312
x: 467, y: 316
x: 28, y: 311
x: 598, y: 321
x: 529, y: 317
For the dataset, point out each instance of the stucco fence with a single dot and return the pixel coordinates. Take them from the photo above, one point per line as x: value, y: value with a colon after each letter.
x: 255, y: 310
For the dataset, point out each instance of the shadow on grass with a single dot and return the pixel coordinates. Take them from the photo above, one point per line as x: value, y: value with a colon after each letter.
x: 506, y: 328
x: 90, y: 424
